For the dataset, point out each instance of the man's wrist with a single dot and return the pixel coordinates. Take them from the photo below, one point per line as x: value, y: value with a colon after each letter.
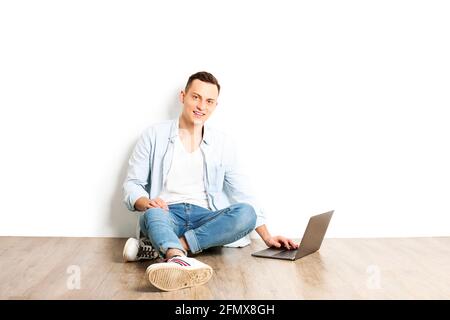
x: 263, y: 233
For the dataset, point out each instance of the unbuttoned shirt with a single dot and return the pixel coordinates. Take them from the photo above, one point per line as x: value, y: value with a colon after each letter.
x: 224, y: 181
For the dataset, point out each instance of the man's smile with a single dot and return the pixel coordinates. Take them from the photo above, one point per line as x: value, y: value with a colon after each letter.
x: 198, y: 114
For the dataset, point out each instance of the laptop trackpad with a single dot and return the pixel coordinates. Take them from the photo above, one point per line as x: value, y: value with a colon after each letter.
x: 286, y: 254
x: 272, y: 252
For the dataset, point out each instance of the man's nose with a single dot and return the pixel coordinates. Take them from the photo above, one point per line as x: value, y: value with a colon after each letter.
x: 201, y: 106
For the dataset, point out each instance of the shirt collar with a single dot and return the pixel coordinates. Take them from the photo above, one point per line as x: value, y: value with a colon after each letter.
x: 174, y: 131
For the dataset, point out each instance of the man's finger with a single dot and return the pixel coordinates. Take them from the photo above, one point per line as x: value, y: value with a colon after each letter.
x: 158, y: 201
x: 154, y: 204
x: 275, y: 243
x: 292, y: 243
x: 162, y: 204
x: 146, y: 205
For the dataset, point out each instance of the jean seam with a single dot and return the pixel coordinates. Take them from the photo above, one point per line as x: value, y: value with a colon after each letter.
x: 162, y: 249
x: 237, y: 237
x: 221, y: 212
x: 192, y: 236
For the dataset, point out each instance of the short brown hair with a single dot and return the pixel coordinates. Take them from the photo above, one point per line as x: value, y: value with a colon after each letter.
x: 202, y: 76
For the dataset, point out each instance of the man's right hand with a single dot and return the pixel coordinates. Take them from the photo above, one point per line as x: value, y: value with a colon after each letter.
x: 144, y: 203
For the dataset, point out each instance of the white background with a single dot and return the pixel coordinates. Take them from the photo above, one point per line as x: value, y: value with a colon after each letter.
x: 336, y: 105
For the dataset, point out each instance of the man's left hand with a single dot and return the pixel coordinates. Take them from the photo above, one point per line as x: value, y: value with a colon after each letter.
x: 280, y: 241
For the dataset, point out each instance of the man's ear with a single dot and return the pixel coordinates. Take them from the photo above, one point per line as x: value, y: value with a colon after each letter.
x: 182, y: 95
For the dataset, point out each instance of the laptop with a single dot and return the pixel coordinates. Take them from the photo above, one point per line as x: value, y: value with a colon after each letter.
x: 311, y: 241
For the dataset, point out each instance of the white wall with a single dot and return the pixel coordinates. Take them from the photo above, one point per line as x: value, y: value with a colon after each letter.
x: 336, y: 104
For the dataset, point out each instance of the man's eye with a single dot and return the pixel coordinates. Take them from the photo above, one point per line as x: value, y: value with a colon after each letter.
x: 195, y: 97
x: 210, y: 102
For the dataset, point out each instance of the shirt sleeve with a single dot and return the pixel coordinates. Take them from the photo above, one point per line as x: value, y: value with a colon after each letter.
x: 136, y: 181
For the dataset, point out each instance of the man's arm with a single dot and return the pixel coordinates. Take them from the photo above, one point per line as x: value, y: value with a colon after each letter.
x: 263, y: 232
x: 134, y: 186
x: 276, y: 241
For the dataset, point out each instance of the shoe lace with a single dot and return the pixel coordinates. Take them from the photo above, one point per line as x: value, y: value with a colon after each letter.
x: 146, y: 249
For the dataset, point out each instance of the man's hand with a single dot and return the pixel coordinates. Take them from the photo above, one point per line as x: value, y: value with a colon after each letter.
x: 280, y: 241
x: 144, y: 203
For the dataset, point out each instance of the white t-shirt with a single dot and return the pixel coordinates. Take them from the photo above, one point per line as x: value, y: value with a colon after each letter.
x: 184, y: 181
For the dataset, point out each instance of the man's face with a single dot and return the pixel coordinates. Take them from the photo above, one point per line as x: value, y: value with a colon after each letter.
x: 199, y: 102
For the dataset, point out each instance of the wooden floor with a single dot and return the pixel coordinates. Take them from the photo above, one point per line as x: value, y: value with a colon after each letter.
x: 394, y: 268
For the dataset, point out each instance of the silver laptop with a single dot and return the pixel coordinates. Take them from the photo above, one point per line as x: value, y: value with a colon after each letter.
x: 311, y: 241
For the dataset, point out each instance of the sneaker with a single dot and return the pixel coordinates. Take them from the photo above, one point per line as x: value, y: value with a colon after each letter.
x: 178, y: 272
x: 135, y: 250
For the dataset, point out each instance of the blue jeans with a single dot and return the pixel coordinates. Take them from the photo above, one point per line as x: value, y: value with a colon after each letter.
x: 202, y: 228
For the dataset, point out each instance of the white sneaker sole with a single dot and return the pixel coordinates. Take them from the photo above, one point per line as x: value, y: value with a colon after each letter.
x: 125, y: 249
x: 170, y: 276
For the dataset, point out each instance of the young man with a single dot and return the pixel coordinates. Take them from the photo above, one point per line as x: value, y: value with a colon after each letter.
x: 184, y: 176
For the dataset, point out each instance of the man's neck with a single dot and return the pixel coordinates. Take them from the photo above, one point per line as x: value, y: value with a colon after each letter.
x: 191, y: 129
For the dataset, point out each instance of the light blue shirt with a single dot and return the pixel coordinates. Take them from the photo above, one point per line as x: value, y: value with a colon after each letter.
x: 149, y: 165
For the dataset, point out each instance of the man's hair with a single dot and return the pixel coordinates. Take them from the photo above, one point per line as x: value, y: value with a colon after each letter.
x: 202, y: 76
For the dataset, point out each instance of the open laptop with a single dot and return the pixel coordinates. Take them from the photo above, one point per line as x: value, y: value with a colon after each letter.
x: 311, y: 241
